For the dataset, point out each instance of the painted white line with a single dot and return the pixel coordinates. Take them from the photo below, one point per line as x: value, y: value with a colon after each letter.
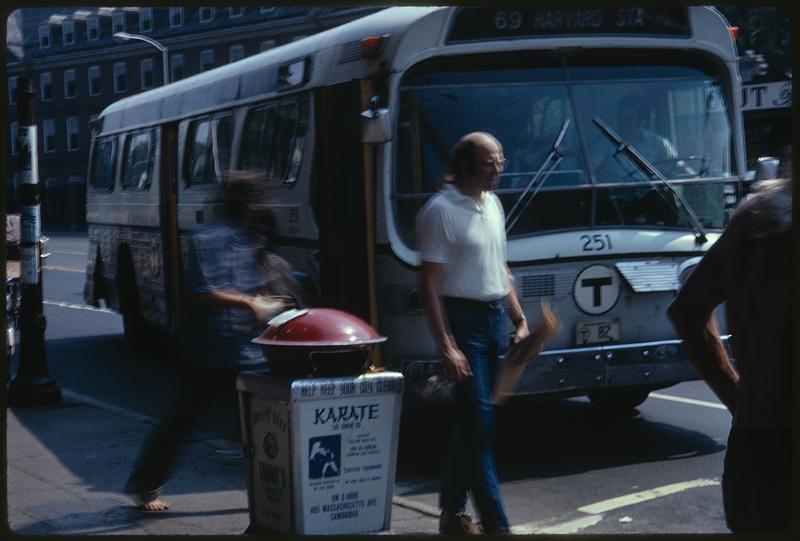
x: 571, y: 526
x: 63, y: 268
x: 61, y: 304
x: 67, y: 252
x: 639, y: 497
x: 692, y: 401
x: 416, y: 506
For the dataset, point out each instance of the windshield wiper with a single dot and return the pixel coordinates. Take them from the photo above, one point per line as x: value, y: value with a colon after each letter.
x: 638, y: 161
x: 525, y: 198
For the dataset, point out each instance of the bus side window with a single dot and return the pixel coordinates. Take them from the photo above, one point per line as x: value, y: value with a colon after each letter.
x: 268, y: 141
x: 224, y: 144
x: 137, y: 170
x: 104, y: 158
x: 200, y: 166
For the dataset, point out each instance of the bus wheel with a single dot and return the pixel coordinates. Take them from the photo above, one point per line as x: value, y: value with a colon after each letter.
x: 133, y: 324
x: 620, y: 401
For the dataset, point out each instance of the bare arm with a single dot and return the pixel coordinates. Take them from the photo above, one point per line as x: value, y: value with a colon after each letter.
x: 262, y: 309
x: 455, y: 362
x: 515, y: 309
x: 692, y: 314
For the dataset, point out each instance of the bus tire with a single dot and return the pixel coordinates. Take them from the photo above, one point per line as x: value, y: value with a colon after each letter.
x: 133, y: 324
x: 621, y: 401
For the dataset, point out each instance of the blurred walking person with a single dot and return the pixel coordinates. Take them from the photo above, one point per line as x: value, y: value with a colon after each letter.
x: 750, y: 270
x: 229, y: 267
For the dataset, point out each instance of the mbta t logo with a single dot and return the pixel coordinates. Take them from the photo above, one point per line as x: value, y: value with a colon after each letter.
x: 596, y: 289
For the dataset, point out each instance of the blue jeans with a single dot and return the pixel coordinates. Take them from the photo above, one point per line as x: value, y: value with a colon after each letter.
x: 479, y: 331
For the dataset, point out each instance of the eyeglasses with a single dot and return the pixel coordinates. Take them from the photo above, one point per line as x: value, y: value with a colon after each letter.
x: 500, y: 164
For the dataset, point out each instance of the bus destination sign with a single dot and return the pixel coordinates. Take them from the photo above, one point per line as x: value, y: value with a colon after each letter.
x: 488, y: 23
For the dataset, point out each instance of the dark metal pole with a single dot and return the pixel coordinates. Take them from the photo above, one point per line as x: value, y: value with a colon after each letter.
x: 33, y: 384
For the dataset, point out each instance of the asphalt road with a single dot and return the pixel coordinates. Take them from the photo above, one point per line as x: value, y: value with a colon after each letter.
x: 564, y: 466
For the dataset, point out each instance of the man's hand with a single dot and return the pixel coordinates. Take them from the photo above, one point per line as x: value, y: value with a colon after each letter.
x: 455, y: 363
x: 522, y: 331
x: 265, y: 308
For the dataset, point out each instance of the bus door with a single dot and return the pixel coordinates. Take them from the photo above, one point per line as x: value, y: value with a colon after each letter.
x: 340, y: 204
x: 168, y: 194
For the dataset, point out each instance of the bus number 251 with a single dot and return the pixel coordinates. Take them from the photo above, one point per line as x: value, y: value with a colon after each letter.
x: 596, y: 243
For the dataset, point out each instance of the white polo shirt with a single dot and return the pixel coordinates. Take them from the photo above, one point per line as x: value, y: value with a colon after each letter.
x: 468, y: 238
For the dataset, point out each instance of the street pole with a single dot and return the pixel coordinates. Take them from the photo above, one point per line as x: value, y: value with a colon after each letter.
x: 122, y: 37
x: 33, y: 384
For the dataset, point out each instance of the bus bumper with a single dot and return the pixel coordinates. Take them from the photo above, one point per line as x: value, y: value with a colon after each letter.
x: 571, y: 372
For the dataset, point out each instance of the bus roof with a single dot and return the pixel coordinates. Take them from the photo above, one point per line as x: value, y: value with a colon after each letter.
x: 250, y: 77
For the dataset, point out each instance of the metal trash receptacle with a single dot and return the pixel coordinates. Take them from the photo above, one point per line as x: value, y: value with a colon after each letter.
x: 320, y: 452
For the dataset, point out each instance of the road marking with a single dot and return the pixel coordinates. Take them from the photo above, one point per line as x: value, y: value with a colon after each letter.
x: 571, y: 526
x: 66, y: 252
x: 61, y: 304
x: 692, y: 401
x: 63, y: 268
x: 645, y: 495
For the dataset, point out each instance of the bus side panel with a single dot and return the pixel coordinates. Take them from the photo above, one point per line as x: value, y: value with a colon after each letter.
x: 339, y: 200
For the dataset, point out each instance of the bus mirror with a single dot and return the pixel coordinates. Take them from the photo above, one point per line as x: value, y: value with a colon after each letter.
x: 376, y: 124
x: 767, y: 168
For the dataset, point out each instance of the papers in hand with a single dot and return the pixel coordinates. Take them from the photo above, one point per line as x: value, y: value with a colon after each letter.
x: 523, y: 352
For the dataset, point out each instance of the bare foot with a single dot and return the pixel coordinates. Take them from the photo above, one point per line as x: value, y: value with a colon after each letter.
x: 156, y: 505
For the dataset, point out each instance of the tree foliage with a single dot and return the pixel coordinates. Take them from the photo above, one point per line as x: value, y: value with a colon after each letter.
x: 767, y: 31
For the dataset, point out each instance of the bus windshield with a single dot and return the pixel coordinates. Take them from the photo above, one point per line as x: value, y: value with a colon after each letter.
x: 674, y: 115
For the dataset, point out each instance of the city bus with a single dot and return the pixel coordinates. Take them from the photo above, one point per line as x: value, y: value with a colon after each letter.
x: 353, y: 127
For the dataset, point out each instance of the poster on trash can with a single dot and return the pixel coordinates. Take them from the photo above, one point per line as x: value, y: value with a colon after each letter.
x: 271, y: 476
x: 346, y: 460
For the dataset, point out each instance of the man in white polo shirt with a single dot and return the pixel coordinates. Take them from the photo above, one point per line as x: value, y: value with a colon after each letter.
x: 466, y: 283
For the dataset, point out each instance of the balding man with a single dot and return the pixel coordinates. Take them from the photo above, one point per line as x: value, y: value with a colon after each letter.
x: 466, y: 284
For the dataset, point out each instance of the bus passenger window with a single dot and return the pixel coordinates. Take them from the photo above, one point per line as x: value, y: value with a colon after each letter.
x: 104, y: 159
x: 224, y: 143
x: 139, y: 156
x: 200, y: 166
x: 269, y: 135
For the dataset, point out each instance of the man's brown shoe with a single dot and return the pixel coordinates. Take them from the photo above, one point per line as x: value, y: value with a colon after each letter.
x: 457, y: 523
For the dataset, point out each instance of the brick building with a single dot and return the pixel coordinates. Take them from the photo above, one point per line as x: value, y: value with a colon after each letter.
x: 78, y: 68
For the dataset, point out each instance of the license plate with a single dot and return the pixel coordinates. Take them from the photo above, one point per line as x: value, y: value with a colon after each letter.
x: 596, y: 331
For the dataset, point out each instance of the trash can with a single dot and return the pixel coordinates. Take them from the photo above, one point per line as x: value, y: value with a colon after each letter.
x: 320, y: 451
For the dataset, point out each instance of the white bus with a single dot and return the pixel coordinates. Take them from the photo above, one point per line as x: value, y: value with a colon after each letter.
x: 353, y: 128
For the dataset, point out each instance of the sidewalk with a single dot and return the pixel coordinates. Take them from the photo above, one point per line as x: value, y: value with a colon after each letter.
x: 66, y: 465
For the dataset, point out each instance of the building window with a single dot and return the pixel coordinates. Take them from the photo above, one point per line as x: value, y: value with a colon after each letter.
x: 147, y: 73
x: 44, y: 36
x: 236, y: 52
x: 235, y: 12
x: 93, y: 28
x: 175, y: 17
x: 94, y: 81
x: 72, y: 133
x: 118, y: 22
x: 207, y: 15
x: 49, y: 134
x: 120, y: 82
x: 14, y: 133
x: 46, y: 85
x: 70, y: 83
x: 69, y: 33
x: 12, y: 90
x: 176, y: 67
x: 206, y: 59
x: 266, y: 45
x: 145, y: 19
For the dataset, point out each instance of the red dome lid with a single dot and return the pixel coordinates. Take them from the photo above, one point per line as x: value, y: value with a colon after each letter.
x: 318, y: 327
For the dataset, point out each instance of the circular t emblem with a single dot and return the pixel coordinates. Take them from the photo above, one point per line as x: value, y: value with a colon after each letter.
x: 596, y: 289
